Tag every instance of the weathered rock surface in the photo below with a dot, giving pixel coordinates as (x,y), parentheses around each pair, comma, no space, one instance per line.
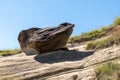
(57,65)
(38,40)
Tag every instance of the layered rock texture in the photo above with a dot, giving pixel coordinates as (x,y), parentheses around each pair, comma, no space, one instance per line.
(57,65)
(41,40)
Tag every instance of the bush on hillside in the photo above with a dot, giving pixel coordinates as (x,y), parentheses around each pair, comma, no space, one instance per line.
(117,21)
(109,71)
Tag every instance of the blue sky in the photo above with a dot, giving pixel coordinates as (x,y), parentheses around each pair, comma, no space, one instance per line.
(17,15)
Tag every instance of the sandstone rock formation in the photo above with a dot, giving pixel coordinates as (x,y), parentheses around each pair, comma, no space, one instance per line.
(38,40)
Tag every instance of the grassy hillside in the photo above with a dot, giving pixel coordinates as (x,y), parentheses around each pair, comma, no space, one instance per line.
(104,43)
(9,52)
(113,31)
(95,34)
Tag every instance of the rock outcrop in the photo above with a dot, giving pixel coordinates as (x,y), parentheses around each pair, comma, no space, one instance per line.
(38,40)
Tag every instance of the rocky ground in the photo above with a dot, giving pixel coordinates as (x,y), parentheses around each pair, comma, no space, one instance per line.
(57,65)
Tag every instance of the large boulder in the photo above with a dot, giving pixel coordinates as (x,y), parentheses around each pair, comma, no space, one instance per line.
(41,40)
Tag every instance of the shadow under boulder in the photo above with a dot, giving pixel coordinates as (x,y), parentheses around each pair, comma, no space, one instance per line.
(61,56)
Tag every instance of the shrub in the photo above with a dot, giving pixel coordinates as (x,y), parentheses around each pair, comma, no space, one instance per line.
(98,44)
(117,21)
(109,71)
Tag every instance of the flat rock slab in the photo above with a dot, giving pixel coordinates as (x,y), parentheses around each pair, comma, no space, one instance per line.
(67,65)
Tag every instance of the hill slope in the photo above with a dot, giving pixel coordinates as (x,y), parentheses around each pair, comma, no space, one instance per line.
(75,64)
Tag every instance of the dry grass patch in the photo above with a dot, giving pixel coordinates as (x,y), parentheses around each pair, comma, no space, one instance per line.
(108,71)
(104,43)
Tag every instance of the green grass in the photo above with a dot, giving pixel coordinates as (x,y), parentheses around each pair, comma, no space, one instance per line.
(92,35)
(95,34)
(117,21)
(73,38)
(94,45)
(9,52)
(104,43)
(108,71)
